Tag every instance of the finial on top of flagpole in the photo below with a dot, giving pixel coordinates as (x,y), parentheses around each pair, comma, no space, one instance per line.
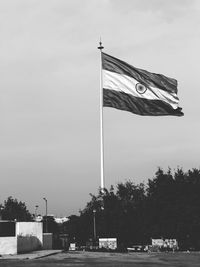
(100,45)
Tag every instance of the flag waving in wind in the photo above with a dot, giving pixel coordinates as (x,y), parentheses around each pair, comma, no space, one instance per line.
(138,91)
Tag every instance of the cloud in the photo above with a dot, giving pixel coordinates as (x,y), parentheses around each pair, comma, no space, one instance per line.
(166,10)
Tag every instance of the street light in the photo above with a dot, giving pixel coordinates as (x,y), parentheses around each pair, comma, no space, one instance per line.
(94,220)
(1,208)
(36,207)
(46,227)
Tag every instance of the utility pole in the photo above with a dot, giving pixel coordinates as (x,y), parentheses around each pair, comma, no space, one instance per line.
(94,221)
(46,228)
(36,207)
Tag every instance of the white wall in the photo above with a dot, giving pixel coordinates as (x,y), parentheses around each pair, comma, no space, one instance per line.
(29,236)
(29,229)
(28,243)
(8,245)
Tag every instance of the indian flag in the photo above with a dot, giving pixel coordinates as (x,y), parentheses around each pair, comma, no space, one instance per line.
(138,91)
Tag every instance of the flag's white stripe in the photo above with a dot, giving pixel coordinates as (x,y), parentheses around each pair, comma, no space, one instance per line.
(126,84)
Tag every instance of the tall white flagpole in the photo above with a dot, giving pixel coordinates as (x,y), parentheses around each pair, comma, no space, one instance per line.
(100,47)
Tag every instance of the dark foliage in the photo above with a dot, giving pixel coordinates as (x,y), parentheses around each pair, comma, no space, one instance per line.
(168,206)
(49,225)
(15,210)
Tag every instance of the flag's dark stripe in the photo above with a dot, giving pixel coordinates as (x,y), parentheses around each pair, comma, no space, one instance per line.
(147,78)
(140,106)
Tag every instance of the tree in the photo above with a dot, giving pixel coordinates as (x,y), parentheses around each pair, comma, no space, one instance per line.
(132,199)
(173,206)
(15,210)
(160,212)
(118,214)
(167,206)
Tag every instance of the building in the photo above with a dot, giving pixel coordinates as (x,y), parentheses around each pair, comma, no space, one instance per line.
(18,237)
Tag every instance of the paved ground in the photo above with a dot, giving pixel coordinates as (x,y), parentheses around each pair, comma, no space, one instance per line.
(98,259)
(32,255)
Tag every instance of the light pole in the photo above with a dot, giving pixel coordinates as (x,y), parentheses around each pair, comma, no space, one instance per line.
(94,222)
(36,207)
(1,208)
(46,228)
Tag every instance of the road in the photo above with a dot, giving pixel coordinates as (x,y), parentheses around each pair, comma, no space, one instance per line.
(99,259)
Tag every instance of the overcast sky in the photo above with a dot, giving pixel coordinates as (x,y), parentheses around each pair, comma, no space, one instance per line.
(49,96)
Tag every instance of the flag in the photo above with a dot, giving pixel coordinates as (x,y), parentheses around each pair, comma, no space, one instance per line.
(138,91)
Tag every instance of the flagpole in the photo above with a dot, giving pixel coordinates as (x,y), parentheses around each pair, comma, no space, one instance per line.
(100,47)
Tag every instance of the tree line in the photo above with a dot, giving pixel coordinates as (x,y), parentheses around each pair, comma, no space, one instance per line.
(167,206)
